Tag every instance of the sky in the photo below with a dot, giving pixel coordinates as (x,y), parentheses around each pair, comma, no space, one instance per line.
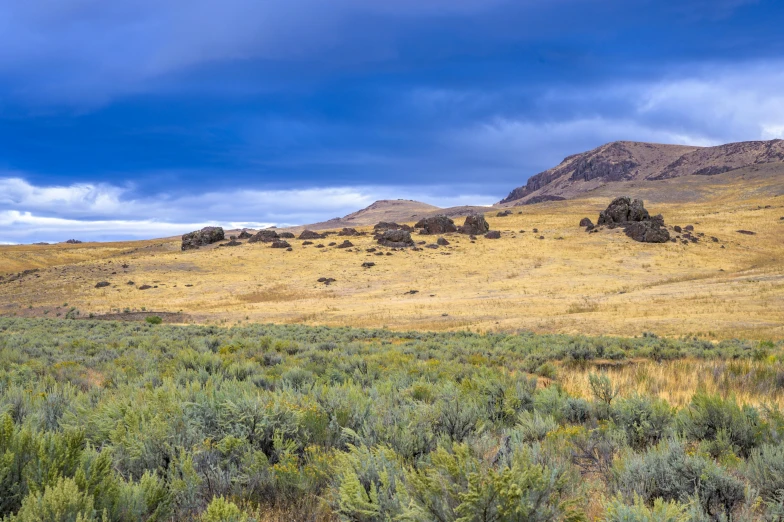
(140,118)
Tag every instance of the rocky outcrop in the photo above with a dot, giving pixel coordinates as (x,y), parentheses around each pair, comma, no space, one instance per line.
(73,242)
(396,238)
(264,236)
(199,238)
(309,234)
(623,210)
(436,225)
(635,220)
(475,225)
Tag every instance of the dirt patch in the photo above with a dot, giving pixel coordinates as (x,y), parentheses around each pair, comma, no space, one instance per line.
(276,293)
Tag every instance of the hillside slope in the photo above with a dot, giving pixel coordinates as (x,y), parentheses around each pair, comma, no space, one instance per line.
(625,161)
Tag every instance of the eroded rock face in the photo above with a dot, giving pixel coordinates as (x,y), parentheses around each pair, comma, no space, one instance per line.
(436,225)
(205,236)
(623,210)
(264,236)
(396,239)
(475,225)
(309,234)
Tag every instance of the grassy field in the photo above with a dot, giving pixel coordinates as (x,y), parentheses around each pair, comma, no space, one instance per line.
(122,421)
(568,282)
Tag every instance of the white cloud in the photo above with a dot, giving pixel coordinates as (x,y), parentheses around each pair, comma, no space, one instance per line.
(31,213)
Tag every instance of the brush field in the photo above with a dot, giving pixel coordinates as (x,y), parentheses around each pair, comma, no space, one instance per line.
(123,421)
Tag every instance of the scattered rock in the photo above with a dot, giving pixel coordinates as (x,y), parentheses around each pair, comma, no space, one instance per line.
(232,237)
(145,287)
(346,244)
(370,250)
(73,242)
(245,235)
(231,243)
(264,236)
(130,283)
(286,235)
(280,244)
(585,222)
(348,232)
(306,243)
(102,284)
(540,237)
(331,244)
(493,234)
(396,238)
(289,249)
(535,231)
(436,225)
(411,292)
(714,239)
(747,232)
(326,280)
(689,228)
(475,225)
(442,241)
(309,234)
(379,254)
(205,236)
(647,232)
(319,246)
(432,245)
(504,213)
(677,229)
(368,264)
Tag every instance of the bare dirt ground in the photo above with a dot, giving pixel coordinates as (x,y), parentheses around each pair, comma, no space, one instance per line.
(570,281)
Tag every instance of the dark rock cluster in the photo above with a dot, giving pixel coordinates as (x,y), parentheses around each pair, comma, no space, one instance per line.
(637,223)
(475,225)
(436,225)
(264,236)
(395,238)
(309,234)
(199,238)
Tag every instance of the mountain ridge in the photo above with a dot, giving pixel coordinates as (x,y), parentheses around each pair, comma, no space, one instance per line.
(639,161)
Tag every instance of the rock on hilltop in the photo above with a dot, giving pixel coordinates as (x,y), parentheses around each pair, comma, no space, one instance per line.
(634,161)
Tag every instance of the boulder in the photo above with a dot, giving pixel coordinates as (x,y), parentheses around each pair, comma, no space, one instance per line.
(73,242)
(264,236)
(396,238)
(286,235)
(102,284)
(279,243)
(623,210)
(493,234)
(348,232)
(677,229)
(368,264)
(504,213)
(586,222)
(388,225)
(231,243)
(309,234)
(442,241)
(647,232)
(436,225)
(205,236)
(346,244)
(475,225)
(245,235)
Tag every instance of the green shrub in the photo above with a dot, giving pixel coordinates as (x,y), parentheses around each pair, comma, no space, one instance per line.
(669,472)
(153,319)
(61,502)
(644,420)
(660,511)
(765,469)
(222,510)
(707,416)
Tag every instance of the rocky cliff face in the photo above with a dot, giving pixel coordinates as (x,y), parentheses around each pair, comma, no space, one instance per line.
(634,161)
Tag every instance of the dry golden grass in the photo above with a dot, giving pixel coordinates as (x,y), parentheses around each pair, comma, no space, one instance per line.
(570,282)
(749,382)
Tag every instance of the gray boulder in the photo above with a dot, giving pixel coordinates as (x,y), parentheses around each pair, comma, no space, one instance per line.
(396,239)
(436,225)
(475,225)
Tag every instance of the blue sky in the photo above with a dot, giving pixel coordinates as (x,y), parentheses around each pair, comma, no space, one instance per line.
(143,118)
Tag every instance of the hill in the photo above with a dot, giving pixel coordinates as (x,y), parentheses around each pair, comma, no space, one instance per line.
(628,161)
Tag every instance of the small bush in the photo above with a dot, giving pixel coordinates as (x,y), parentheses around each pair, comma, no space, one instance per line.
(153,319)
(708,416)
(644,420)
(660,511)
(222,510)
